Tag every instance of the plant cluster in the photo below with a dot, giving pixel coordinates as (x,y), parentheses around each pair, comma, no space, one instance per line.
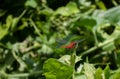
(59,39)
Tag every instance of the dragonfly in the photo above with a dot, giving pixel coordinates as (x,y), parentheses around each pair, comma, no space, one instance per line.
(72,45)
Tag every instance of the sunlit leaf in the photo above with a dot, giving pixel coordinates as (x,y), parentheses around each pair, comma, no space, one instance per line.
(115,76)
(46,49)
(70,8)
(4,28)
(89,70)
(81,76)
(31,3)
(98,73)
(109,46)
(53,69)
(65,59)
(107,72)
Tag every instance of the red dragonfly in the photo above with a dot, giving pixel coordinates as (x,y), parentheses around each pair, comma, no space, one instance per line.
(72,44)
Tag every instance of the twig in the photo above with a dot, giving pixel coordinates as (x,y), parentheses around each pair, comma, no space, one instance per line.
(95,47)
(114,2)
(35,27)
(24,74)
(72,60)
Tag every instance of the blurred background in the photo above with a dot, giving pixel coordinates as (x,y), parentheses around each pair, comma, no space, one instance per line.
(32,31)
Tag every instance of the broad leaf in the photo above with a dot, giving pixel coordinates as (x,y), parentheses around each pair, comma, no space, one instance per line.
(31,3)
(89,71)
(66,59)
(81,76)
(115,76)
(53,69)
(113,15)
(69,9)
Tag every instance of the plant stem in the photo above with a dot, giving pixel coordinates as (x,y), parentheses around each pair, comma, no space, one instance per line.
(72,60)
(35,27)
(73,56)
(24,74)
(95,47)
(114,2)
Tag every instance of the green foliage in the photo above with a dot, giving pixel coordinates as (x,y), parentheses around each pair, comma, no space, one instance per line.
(89,71)
(31,3)
(113,19)
(53,69)
(98,73)
(69,9)
(33,34)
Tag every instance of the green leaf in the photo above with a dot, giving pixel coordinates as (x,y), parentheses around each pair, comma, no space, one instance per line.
(69,9)
(81,76)
(107,72)
(43,26)
(31,3)
(116,76)
(109,46)
(89,22)
(65,59)
(3,31)
(53,69)
(89,71)
(16,20)
(24,24)
(98,73)
(101,5)
(46,49)
(2,12)
(50,76)
(5,27)
(106,19)
(72,7)
(47,12)
(112,15)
